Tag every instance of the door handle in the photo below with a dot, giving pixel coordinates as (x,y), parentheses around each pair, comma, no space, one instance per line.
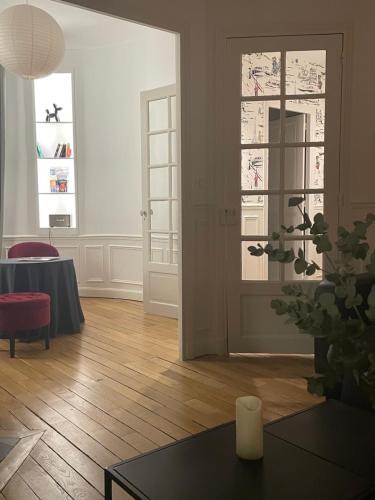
(143,213)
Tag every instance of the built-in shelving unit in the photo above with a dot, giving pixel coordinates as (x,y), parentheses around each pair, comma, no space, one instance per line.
(55,151)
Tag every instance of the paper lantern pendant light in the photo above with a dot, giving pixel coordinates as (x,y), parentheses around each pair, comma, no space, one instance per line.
(31,42)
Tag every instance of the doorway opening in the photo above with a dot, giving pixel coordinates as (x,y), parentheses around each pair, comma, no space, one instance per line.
(110,64)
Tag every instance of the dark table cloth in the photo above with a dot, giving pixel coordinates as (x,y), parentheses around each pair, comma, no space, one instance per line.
(55,277)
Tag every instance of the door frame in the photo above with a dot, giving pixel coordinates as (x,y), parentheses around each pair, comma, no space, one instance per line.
(154,307)
(235,289)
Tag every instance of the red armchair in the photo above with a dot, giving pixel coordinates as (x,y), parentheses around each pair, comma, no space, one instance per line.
(32,249)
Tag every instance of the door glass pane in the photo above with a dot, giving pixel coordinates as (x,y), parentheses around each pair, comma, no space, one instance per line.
(261,73)
(174,215)
(258,268)
(313,204)
(260,169)
(175,249)
(174,182)
(304,168)
(305,120)
(159,244)
(173,147)
(158,115)
(159,182)
(306,72)
(159,215)
(173,112)
(260,215)
(260,122)
(159,149)
(311,256)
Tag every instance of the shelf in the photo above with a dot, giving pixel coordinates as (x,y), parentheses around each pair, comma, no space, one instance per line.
(56,158)
(54,123)
(57,192)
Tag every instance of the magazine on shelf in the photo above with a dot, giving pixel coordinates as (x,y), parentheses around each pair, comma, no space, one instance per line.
(58,179)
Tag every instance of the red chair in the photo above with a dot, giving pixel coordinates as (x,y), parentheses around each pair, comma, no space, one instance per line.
(21,312)
(32,249)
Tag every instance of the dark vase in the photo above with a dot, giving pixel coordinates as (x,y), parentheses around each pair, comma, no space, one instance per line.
(353,395)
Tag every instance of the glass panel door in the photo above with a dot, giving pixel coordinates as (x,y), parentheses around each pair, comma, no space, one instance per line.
(282,139)
(160,201)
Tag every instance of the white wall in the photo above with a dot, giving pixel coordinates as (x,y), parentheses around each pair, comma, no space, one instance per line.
(108,81)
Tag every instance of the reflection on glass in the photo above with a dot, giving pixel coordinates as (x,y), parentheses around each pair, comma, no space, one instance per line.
(313,204)
(159,182)
(260,215)
(173,147)
(260,169)
(173,112)
(174,182)
(306,72)
(258,268)
(311,256)
(261,73)
(159,149)
(159,244)
(158,115)
(304,168)
(174,215)
(260,122)
(159,215)
(305,120)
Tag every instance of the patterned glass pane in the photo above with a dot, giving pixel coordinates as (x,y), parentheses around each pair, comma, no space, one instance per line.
(305,120)
(310,254)
(306,72)
(313,204)
(261,73)
(260,215)
(304,168)
(258,268)
(260,169)
(260,122)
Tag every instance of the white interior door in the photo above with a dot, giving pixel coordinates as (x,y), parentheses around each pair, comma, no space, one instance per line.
(282,138)
(160,201)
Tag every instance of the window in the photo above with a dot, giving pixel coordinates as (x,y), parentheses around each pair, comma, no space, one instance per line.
(55,151)
(283,110)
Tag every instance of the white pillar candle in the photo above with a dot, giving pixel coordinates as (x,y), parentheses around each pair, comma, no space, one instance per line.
(249,428)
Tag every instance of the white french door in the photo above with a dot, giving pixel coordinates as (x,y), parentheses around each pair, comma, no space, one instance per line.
(160,201)
(282,139)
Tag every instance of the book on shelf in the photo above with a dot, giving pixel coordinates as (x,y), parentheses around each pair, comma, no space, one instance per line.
(58,179)
(63,151)
(39,151)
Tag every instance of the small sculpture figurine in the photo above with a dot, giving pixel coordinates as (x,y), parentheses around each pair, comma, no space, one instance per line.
(53,115)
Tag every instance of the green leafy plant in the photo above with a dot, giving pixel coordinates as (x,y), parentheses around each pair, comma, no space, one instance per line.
(343,316)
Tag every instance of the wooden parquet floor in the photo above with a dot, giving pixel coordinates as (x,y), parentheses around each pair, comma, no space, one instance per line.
(117,390)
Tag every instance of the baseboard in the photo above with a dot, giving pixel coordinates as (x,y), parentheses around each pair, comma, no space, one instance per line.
(111,293)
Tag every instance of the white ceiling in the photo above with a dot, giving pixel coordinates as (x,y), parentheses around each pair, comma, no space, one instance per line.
(83,28)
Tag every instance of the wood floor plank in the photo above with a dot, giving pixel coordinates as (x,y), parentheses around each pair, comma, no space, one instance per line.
(41,483)
(119,389)
(69,480)
(17,489)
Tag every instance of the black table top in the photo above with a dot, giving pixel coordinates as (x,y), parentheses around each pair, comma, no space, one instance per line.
(337,432)
(206,467)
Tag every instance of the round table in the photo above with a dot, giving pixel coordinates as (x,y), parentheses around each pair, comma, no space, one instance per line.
(56,277)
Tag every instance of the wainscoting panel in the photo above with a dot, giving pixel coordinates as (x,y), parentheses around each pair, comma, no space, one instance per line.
(93,256)
(107,265)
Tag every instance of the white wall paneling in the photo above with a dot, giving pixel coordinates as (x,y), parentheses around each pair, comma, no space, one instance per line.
(93,256)
(106,265)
